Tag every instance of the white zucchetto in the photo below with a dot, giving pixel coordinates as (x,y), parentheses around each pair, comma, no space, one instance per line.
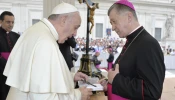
(64,8)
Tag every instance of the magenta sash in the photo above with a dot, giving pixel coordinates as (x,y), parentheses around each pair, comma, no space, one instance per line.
(5,55)
(110,65)
(112,96)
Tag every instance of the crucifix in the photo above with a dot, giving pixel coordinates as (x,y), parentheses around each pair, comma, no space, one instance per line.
(91,9)
(87,66)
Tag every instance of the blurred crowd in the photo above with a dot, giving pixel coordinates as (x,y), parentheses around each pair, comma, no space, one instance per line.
(116,44)
(100,45)
(168,50)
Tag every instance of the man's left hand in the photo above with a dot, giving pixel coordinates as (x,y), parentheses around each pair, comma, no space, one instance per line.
(112,73)
(79,76)
(104,83)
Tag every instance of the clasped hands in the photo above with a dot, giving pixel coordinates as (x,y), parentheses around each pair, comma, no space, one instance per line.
(111,74)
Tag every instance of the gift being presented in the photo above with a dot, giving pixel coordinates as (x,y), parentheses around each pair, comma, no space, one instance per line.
(92,83)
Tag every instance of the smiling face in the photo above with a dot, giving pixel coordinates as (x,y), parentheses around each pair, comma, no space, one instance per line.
(8,23)
(119,22)
(70,27)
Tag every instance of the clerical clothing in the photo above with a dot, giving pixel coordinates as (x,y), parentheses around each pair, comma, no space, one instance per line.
(110,61)
(7,41)
(95,60)
(36,69)
(4,45)
(141,67)
(110,58)
(65,50)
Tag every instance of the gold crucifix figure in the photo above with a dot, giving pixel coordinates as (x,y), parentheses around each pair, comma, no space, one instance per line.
(92,12)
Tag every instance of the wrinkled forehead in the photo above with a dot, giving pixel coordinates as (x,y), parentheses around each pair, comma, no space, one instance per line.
(113,14)
(77,16)
(76,19)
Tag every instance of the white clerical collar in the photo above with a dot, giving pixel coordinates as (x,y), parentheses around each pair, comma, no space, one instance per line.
(135,29)
(7,32)
(51,27)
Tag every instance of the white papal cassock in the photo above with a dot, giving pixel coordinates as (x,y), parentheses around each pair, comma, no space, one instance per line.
(36,69)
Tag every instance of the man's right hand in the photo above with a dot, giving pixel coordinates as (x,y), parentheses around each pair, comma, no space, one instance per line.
(85,93)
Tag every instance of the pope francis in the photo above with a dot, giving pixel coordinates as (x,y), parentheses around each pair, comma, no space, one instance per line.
(36,69)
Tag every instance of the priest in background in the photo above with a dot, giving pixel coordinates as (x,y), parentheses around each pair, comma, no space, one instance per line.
(95,59)
(36,69)
(139,70)
(65,49)
(8,39)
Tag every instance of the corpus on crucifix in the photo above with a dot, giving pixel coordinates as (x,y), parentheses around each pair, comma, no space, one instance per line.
(92,7)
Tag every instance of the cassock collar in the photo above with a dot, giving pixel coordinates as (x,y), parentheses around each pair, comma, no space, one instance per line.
(133,34)
(3,30)
(51,27)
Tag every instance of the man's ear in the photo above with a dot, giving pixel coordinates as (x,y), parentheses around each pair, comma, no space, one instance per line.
(130,17)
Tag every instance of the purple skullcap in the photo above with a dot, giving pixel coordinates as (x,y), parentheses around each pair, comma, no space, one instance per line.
(97,51)
(110,49)
(126,3)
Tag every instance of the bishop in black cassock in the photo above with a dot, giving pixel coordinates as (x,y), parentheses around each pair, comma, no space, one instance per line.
(140,68)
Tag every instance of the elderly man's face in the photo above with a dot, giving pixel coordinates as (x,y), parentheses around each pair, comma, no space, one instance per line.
(71,27)
(8,23)
(74,25)
(119,23)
